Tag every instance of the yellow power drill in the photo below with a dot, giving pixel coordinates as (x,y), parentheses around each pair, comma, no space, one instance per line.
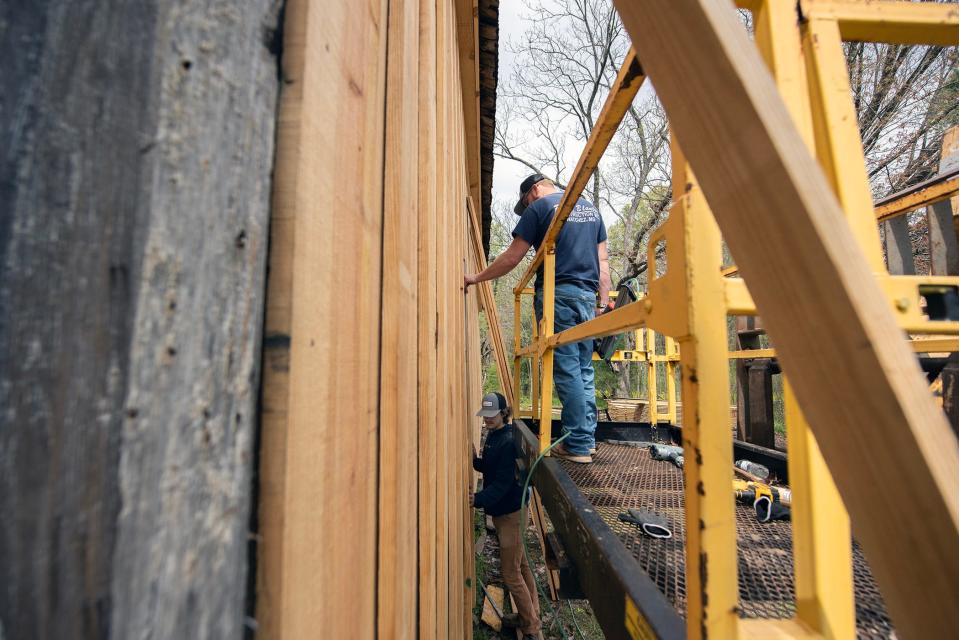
(770,503)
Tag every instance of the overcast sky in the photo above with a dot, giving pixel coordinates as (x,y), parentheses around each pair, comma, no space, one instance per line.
(507,174)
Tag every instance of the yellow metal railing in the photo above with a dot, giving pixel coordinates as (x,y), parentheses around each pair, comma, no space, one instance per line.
(645,352)
(689,302)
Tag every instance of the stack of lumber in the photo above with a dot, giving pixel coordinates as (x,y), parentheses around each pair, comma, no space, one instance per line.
(637,410)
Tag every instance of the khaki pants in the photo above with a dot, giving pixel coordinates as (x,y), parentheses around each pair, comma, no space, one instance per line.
(516,573)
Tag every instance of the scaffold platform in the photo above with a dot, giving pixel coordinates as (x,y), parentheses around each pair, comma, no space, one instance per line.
(624,476)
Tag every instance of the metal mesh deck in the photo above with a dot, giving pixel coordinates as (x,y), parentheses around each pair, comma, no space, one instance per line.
(623,477)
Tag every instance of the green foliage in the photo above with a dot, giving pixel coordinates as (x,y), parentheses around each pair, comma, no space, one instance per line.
(779,407)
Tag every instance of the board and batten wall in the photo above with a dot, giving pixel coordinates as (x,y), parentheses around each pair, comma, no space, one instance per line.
(371,349)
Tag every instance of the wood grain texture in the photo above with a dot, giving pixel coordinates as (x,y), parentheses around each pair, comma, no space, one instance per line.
(138,146)
(138,166)
(275,389)
(427,321)
(187,457)
(330,524)
(858,384)
(484,291)
(444,94)
(467,44)
(397,570)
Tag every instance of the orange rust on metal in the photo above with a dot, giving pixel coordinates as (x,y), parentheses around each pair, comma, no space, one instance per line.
(923,194)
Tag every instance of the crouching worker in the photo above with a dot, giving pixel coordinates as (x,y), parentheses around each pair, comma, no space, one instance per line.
(501,498)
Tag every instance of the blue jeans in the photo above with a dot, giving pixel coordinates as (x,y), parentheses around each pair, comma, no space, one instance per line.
(573,366)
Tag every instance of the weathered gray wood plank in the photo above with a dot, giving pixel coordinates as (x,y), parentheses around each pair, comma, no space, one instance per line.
(899,258)
(136,146)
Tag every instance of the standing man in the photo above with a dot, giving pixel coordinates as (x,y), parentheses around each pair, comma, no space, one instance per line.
(502,499)
(582,270)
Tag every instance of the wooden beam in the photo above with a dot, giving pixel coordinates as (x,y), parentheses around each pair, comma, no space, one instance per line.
(627,85)
(760,397)
(427,421)
(950,391)
(397,570)
(274,412)
(943,249)
(750,159)
(488,302)
(742,399)
(445,93)
(330,523)
(467,43)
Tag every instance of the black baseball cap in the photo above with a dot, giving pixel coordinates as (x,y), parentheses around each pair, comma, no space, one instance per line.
(493,403)
(524,188)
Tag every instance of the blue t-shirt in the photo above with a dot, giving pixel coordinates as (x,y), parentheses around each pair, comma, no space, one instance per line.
(577,260)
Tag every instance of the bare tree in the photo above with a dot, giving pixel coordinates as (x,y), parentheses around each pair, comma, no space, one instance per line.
(566,65)
(637,185)
(905,98)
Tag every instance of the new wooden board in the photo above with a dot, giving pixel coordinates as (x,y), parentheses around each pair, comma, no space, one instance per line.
(427,320)
(489,615)
(397,570)
(330,521)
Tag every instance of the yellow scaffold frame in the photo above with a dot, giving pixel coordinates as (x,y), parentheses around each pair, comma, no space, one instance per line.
(691,47)
(644,351)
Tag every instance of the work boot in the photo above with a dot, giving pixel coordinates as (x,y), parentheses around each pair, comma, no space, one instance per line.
(561,452)
(511,620)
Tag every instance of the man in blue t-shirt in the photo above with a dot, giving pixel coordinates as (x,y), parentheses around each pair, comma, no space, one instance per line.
(582,270)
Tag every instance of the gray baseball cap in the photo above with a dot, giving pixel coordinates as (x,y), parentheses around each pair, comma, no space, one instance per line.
(493,403)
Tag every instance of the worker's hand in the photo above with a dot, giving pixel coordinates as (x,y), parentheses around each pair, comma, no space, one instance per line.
(600,310)
(467,281)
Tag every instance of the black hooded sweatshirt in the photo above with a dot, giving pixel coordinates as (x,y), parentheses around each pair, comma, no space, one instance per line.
(502,492)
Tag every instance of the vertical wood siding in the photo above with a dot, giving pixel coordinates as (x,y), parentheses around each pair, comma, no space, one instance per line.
(367,434)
